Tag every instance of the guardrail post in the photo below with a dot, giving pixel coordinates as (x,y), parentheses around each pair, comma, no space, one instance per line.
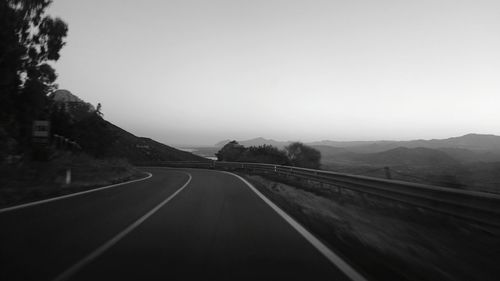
(387,173)
(68,176)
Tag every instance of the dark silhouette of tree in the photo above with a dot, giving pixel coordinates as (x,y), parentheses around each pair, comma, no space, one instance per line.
(98,109)
(232,151)
(301,155)
(265,154)
(61,120)
(29,39)
(296,154)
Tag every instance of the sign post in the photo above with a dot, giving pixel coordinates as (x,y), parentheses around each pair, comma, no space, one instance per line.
(41,131)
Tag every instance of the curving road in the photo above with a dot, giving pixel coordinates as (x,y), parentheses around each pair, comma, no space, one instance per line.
(176,225)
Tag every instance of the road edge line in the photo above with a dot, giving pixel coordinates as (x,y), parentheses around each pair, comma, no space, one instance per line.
(34,203)
(101,249)
(315,242)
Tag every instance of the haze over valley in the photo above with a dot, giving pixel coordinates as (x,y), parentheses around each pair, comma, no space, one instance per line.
(471,161)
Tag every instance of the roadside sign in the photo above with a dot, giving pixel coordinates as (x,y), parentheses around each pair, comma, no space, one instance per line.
(41,131)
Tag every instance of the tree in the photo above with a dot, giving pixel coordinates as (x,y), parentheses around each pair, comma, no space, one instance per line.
(232,151)
(265,154)
(98,110)
(301,155)
(29,41)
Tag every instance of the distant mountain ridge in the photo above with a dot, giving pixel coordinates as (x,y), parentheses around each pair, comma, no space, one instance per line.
(401,156)
(467,148)
(479,142)
(470,141)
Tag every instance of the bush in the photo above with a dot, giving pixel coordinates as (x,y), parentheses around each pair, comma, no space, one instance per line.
(232,151)
(301,155)
(296,154)
(265,154)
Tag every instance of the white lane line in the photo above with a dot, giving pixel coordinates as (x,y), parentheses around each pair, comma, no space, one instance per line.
(70,195)
(96,253)
(322,248)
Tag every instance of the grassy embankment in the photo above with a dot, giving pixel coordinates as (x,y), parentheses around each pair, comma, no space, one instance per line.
(385,240)
(31,181)
(480,176)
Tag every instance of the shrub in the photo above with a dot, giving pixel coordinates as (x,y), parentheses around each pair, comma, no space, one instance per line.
(301,155)
(296,154)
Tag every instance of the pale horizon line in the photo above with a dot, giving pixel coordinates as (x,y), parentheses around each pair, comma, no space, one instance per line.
(326,140)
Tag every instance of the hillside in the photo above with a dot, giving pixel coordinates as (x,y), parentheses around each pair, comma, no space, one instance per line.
(400,156)
(403,156)
(75,119)
(140,149)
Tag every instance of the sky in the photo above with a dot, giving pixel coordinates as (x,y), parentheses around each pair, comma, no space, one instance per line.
(197,72)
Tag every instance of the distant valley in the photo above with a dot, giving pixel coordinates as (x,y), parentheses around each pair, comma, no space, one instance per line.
(467,148)
(470,161)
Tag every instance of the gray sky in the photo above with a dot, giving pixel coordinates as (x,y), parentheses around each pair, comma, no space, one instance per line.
(196,72)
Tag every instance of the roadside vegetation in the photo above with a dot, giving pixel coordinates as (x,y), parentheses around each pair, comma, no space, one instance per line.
(386,240)
(35,180)
(29,42)
(75,134)
(295,154)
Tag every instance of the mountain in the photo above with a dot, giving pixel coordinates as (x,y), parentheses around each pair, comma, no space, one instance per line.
(476,142)
(471,156)
(381,143)
(401,156)
(329,153)
(467,148)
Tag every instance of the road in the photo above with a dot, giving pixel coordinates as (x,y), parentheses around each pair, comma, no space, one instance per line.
(175,225)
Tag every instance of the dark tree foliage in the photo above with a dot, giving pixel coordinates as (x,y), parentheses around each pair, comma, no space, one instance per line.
(29,40)
(301,155)
(98,110)
(61,120)
(232,151)
(296,154)
(264,154)
(79,122)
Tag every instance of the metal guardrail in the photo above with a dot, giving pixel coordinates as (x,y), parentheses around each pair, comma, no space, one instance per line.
(474,206)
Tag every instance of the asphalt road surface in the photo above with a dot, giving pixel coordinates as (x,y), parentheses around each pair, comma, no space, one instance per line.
(176,225)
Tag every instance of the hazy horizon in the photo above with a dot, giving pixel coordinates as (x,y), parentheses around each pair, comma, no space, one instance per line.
(180,145)
(198,72)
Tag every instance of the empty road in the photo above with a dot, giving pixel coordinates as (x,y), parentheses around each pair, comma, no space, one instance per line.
(176,225)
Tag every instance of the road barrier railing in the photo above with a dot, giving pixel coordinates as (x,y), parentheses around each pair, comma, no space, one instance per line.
(480,207)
